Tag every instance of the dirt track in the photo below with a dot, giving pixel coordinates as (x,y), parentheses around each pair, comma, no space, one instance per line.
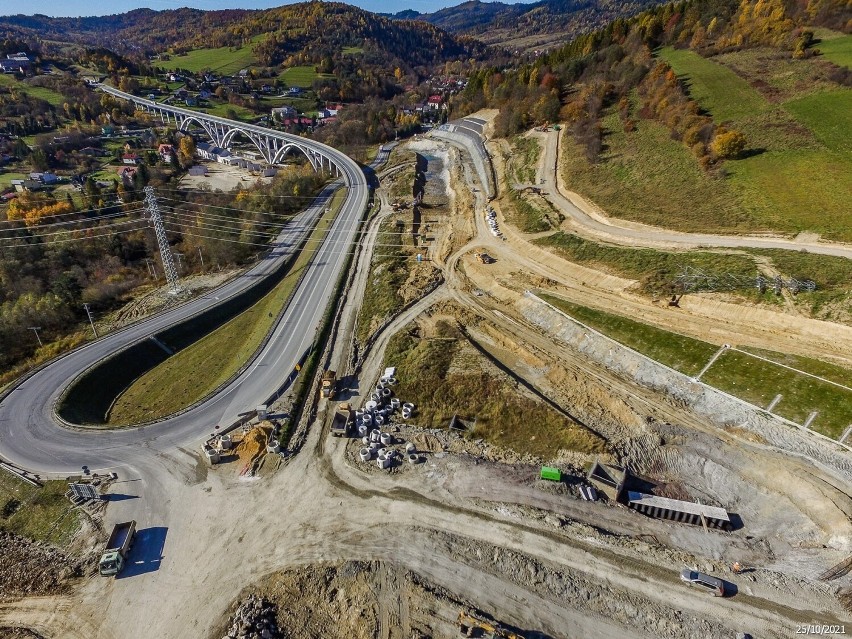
(458,532)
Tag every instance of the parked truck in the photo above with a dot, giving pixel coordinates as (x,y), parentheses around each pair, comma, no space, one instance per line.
(117,547)
(329,381)
(341,421)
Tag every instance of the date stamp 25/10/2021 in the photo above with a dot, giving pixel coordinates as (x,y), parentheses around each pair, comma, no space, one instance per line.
(820,629)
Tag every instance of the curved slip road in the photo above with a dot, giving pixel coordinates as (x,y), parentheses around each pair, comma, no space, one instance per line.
(30,436)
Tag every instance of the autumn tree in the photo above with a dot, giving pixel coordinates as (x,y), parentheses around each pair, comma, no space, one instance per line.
(728,144)
(186,151)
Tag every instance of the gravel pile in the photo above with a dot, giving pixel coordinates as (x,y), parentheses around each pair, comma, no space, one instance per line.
(254,619)
(33,568)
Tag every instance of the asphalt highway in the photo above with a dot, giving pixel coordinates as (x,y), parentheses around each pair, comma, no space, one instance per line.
(31,436)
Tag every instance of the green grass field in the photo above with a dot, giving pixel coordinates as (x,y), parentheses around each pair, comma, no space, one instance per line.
(224,60)
(794,178)
(196,371)
(735,372)
(831,372)
(796,191)
(828,115)
(648,177)
(43,514)
(679,352)
(715,87)
(303,76)
(654,269)
(6,178)
(835,47)
(352,50)
(758,382)
(227,110)
(43,93)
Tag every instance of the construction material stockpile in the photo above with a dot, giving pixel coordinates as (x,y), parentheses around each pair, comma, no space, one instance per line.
(376,417)
(33,568)
(253,444)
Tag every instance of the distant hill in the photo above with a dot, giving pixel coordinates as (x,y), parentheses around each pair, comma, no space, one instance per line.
(527,26)
(310,31)
(140,28)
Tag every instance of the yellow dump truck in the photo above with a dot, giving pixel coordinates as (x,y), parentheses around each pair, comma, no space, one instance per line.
(329,381)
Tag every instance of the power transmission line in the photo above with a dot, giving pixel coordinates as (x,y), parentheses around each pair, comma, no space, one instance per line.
(162,240)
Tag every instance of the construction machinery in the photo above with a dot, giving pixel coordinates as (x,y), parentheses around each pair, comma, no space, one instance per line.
(484,258)
(117,547)
(471,626)
(341,421)
(329,381)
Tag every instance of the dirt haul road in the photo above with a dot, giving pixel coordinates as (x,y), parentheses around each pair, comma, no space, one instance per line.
(223,533)
(590,221)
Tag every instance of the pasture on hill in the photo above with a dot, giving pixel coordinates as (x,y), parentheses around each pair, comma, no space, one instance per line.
(793,176)
(224,60)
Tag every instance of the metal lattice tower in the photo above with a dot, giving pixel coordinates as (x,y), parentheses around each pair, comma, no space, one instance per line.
(692,279)
(162,240)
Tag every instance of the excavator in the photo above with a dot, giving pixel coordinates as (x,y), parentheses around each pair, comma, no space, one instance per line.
(471,626)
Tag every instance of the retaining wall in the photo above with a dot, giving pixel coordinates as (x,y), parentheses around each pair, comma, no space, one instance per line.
(479,155)
(710,403)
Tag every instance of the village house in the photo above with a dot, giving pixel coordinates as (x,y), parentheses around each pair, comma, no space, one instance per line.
(127,173)
(16,63)
(166,152)
(284,113)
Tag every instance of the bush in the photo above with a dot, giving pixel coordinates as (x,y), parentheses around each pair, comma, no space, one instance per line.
(729,144)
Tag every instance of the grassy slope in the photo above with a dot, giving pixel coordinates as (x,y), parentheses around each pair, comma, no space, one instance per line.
(224,60)
(44,513)
(758,382)
(388,271)
(443,377)
(716,88)
(654,269)
(196,371)
(302,76)
(48,95)
(795,179)
(737,373)
(835,47)
(679,352)
(828,115)
(648,177)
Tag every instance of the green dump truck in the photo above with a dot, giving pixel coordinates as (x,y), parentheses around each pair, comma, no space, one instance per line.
(117,547)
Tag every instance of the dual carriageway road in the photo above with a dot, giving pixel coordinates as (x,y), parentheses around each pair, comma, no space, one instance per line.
(31,436)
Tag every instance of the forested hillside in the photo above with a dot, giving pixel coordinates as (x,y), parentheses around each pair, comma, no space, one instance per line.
(716,115)
(311,31)
(528,26)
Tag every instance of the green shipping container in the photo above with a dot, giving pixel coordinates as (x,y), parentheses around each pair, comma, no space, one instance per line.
(553,474)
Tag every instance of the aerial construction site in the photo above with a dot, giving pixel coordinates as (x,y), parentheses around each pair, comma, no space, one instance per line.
(492,439)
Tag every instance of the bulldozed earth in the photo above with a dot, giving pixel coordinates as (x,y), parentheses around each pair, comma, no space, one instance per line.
(328,545)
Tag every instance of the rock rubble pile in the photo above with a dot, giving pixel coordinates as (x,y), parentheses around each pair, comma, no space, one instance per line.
(254,619)
(33,568)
